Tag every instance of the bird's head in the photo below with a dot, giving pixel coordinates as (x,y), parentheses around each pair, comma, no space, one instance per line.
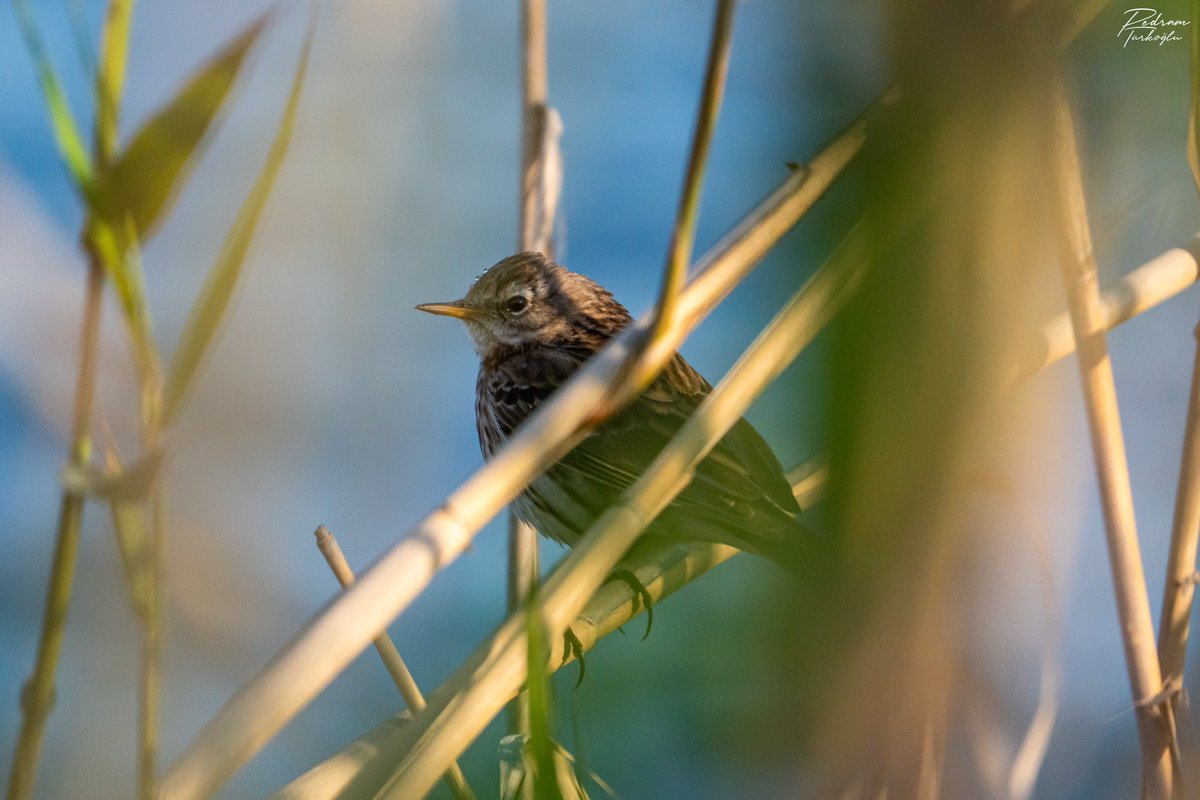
(526,300)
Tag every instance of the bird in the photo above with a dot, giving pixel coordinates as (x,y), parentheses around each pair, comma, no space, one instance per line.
(533,323)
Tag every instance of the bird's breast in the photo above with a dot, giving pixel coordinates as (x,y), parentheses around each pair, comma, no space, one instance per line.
(509,389)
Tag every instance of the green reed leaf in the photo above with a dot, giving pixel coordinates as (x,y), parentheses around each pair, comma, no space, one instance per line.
(66,132)
(209,308)
(147,175)
(110,76)
(114,245)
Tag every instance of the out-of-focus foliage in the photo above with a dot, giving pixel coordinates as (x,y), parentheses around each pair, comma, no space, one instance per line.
(209,308)
(921,419)
(152,167)
(124,198)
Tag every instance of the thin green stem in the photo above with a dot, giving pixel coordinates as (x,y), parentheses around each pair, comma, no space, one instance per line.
(38,695)
(684,236)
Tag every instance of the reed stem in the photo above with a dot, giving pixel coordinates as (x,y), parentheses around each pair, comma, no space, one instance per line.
(390,655)
(1080,280)
(38,694)
(683,237)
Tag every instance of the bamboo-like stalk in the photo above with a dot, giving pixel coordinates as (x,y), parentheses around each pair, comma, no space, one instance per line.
(479,689)
(1129,583)
(1181,564)
(390,655)
(683,237)
(533,229)
(1140,289)
(1179,587)
(38,694)
(328,642)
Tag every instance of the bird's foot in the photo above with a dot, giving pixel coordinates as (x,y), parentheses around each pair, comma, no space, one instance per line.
(639,593)
(573,647)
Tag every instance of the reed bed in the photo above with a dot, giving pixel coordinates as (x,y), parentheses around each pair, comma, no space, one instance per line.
(933,344)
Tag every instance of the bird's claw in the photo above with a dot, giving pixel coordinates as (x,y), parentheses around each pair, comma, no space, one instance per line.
(639,593)
(573,647)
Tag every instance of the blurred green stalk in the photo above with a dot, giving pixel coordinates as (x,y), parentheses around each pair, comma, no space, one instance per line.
(38,694)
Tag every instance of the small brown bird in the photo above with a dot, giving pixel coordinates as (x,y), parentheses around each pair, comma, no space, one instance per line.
(533,324)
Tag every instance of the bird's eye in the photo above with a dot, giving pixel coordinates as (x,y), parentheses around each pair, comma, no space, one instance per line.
(516,304)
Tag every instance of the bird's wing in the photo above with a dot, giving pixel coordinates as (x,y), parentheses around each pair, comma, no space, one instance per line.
(739,489)
(741,452)
(741,470)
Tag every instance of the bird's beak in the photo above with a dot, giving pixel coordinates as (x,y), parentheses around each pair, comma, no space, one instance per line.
(458,308)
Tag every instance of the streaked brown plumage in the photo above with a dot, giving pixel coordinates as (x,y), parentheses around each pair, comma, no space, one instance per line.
(534,323)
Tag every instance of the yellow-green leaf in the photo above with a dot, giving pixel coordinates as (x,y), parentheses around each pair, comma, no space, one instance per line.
(147,174)
(209,308)
(66,133)
(113,245)
(110,77)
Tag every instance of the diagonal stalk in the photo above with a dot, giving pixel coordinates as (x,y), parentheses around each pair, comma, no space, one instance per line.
(1095,368)
(390,656)
(679,255)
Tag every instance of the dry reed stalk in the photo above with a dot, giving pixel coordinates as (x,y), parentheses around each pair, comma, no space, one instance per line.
(1181,565)
(390,655)
(498,667)
(328,642)
(1138,290)
(535,225)
(1129,584)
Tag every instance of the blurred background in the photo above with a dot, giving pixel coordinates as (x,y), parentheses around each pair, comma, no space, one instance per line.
(328,399)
